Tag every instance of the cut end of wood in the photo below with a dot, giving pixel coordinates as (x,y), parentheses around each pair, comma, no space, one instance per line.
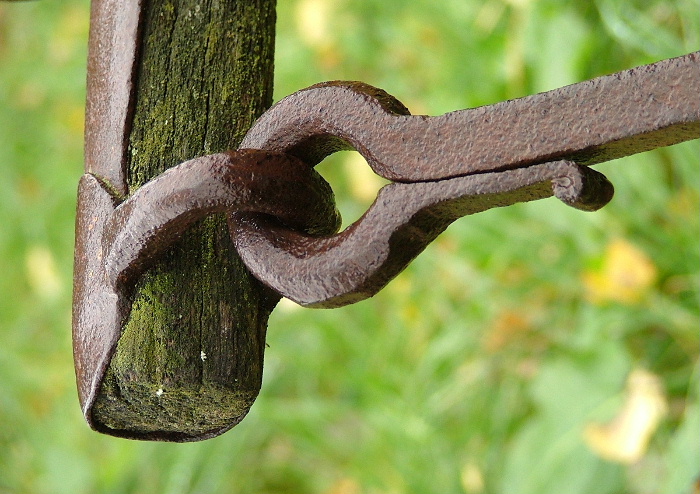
(151,411)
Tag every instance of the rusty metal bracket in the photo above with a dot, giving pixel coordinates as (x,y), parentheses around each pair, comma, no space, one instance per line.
(118,236)
(116,240)
(453,165)
(281,212)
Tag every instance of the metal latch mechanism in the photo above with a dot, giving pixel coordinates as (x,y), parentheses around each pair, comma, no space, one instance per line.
(453,165)
(282,216)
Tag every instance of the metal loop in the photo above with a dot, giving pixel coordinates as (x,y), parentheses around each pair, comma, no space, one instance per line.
(453,165)
(115,242)
(590,122)
(357,263)
(255,181)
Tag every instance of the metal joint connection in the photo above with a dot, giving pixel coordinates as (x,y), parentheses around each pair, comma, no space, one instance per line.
(117,240)
(449,166)
(282,215)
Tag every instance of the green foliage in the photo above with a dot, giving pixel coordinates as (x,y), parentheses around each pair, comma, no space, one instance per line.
(501,361)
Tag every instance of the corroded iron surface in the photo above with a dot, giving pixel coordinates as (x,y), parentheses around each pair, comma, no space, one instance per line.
(282,215)
(453,165)
(112,55)
(357,263)
(116,241)
(590,122)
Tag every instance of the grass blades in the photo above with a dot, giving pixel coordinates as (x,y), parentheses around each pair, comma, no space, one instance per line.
(531,349)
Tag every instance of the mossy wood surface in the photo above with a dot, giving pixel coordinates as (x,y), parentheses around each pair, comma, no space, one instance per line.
(189,362)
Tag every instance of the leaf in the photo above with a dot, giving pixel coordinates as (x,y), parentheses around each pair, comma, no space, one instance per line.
(626,437)
(363,182)
(548,454)
(312,19)
(683,453)
(625,276)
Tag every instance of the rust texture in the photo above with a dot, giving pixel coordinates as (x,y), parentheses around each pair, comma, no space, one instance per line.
(168,81)
(590,122)
(281,213)
(112,56)
(453,165)
(404,219)
(120,239)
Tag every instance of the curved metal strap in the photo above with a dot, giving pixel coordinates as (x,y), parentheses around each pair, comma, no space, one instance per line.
(453,165)
(115,241)
(590,122)
(404,219)
(262,182)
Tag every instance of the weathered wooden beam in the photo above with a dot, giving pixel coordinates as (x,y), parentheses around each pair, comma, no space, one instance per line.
(189,362)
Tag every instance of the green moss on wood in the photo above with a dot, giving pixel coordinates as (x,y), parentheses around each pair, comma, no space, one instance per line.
(190,357)
(185,411)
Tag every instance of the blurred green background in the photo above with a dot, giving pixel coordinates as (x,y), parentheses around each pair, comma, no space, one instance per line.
(533,349)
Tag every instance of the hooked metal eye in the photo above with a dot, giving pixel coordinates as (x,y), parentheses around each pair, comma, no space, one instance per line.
(117,241)
(282,217)
(452,165)
(358,262)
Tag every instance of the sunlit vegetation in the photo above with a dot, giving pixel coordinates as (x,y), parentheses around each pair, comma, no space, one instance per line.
(534,349)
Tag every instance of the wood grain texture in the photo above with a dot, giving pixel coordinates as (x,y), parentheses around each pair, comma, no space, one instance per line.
(189,362)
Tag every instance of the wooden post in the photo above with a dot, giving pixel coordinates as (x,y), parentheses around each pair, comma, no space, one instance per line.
(189,362)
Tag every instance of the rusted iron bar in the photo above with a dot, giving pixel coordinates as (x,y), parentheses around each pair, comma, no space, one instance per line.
(110,88)
(452,165)
(590,122)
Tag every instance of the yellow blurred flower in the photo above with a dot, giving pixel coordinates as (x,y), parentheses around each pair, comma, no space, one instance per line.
(312,21)
(42,274)
(472,478)
(345,485)
(626,437)
(314,25)
(625,275)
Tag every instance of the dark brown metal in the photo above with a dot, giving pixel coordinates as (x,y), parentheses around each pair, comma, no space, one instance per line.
(272,184)
(468,161)
(404,219)
(112,56)
(281,212)
(118,240)
(590,122)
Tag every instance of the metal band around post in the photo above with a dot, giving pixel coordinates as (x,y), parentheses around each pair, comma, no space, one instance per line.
(119,240)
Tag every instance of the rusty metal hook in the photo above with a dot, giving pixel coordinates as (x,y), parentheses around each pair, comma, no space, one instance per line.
(590,122)
(117,240)
(443,168)
(355,264)
(453,165)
